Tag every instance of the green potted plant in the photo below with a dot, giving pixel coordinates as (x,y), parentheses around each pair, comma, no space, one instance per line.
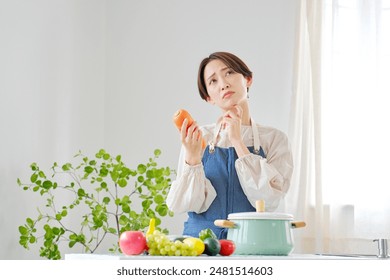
(105,191)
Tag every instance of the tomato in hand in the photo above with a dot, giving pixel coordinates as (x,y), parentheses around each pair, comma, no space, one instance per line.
(132,242)
(227,247)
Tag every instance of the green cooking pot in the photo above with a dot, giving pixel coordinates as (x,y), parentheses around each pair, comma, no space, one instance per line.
(261,233)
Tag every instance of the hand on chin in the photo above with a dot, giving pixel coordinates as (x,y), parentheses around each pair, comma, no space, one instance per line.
(234,109)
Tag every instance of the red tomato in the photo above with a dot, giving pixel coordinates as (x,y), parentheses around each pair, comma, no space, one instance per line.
(227,247)
(132,242)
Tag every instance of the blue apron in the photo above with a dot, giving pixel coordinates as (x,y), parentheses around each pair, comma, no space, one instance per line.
(219,167)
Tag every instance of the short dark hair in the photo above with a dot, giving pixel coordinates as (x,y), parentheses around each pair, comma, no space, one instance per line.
(230,60)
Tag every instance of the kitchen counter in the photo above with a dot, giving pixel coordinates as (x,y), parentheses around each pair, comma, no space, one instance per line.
(205,257)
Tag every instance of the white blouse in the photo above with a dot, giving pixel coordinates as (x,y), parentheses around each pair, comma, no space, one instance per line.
(261,178)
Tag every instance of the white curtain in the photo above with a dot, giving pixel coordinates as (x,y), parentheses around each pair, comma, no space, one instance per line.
(338,126)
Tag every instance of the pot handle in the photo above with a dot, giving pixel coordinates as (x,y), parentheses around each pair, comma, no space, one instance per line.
(224,223)
(298,224)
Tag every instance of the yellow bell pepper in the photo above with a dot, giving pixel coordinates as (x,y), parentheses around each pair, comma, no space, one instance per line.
(152,227)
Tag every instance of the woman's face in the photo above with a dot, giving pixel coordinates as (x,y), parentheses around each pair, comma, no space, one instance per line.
(226,88)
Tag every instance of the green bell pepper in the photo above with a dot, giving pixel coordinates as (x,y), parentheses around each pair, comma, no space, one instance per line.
(207,233)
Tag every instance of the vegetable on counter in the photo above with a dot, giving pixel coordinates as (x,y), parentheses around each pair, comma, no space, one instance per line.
(156,243)
(227,247)
(212,246)
(206,233)
(152,227)
(178,237)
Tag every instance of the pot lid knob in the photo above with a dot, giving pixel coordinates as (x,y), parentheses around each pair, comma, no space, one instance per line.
(260,205)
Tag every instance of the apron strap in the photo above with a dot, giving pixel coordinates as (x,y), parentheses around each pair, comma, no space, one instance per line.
(256,137)
(217,129)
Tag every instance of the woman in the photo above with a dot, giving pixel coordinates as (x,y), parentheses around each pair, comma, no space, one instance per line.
(243,161)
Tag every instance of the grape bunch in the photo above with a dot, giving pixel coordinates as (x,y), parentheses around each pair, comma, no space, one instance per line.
(159,244)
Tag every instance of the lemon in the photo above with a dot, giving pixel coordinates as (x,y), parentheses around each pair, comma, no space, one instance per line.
(196,244)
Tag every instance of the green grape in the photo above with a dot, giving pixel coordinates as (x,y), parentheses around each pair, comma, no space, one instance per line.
(160,245)
(193,253)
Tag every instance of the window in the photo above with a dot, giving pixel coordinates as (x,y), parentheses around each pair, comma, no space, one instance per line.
(355,104)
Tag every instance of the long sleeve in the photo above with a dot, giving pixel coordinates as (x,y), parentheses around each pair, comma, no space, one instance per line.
(267,178)
(191,191)
(260,178)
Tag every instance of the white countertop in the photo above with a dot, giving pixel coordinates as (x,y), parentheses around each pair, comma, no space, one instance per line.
(205,257)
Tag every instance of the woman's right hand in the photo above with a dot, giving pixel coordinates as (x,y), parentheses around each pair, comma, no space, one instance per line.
(191,139)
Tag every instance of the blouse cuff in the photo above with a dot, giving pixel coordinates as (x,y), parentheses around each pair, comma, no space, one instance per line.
(191,168)
(191,191)
(259,180)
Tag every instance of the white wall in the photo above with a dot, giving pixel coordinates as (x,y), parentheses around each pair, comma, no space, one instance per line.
(52,86)
(90,74)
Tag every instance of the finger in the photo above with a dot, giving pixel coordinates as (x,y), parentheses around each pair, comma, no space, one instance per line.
(238,110)
(183,130)
(231,114)
(228,114)
(231,120)
(191,129)
(194,137)
(227,121)
(199,135)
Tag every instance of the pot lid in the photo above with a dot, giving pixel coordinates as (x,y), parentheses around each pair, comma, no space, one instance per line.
(260,216)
